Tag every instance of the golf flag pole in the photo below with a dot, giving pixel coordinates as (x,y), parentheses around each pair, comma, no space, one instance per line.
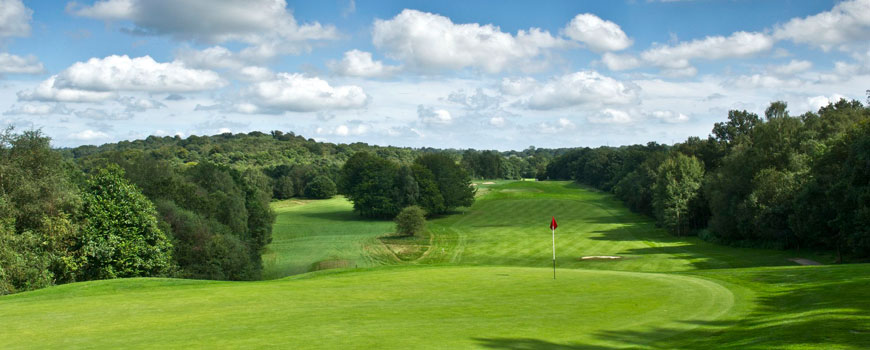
(553,227)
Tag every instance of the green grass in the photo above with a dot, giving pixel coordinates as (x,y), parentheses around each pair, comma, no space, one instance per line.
(312,234)
(485,282)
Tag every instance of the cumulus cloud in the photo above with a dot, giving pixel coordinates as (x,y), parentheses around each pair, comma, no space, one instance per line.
(764,81)
(47,91)
(669,117)
(297,93)
(738,44)
(611,116)
(560,125)
(122,73)
(88,135)
(675,60)
(816,102)
(431,116)
(620,62)
(14,19)
(136,104)
(237,65)
(354,128)
(37,109)
(791,68)
(582,88)
(518,86)
(598,34)
(102,115)
(12,64)
(432,42)
(99,79)
(356,63)
(266,25)
(846,22)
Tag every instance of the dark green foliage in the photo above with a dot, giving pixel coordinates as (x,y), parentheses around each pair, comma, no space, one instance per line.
(320,187)
(452,181)
(284,188)
(429,196)
(120,237)
(368,182)
(677,184)
(380,188)
(778,181)
(410,221)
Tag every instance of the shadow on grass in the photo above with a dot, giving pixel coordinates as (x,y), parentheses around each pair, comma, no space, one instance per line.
(339,215)
(823,307)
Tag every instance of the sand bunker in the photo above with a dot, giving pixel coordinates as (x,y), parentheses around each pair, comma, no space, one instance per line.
(802,261)
(600,257)
(489,183)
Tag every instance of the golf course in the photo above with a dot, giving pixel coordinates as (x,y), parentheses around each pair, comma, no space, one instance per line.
(480,278)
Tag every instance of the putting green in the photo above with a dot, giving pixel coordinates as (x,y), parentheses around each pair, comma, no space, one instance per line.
(422,307)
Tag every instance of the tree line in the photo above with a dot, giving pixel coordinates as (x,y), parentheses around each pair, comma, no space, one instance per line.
(777,181)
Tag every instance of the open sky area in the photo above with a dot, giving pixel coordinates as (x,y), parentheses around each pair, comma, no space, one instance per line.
(448,74)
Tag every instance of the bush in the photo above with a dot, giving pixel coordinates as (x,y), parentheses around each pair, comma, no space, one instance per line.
(321,188)
(411,221)
(120,236)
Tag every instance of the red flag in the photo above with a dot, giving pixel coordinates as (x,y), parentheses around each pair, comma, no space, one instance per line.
(553,224)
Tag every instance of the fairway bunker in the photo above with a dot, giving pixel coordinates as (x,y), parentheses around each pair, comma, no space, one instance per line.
(601,257)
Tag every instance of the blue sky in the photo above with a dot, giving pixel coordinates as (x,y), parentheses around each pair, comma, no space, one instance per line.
(465,74)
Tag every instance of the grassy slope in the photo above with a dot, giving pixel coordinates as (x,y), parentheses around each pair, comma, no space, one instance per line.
(705,300)
(308,234)
(509,226)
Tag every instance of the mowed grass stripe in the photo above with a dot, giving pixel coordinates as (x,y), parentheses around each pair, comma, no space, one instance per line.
(509,226)
(447,307)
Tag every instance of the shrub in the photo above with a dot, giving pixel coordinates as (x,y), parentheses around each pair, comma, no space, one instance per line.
(410,221)
(321,187)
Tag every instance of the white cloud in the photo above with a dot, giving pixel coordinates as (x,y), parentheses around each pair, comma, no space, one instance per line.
(122,73)
(762,81)
(136,104)
(37,109)
(48,91)
(432,42)
(582,88)
(497,121)
(237,65)
(518,86)
(101,114)
(358,63)
(89,135)
(738,44)
(12,64)
(670,116)
(559,126)
(675,60)
(14,19)
(432,116)
(266,25)
(620,62)
(598,34)
(791,68)
(611,116)
(846,22)
(816,102)
(296,93)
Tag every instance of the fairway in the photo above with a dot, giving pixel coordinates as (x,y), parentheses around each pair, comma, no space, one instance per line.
(311,235)
(485,283)
(509,226)
(431,308)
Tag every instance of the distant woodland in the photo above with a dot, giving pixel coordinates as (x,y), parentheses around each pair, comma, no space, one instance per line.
(198,207)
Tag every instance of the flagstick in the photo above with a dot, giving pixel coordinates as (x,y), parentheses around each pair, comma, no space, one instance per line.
(554,253)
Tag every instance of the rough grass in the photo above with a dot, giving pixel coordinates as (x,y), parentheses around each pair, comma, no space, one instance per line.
(682,293)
